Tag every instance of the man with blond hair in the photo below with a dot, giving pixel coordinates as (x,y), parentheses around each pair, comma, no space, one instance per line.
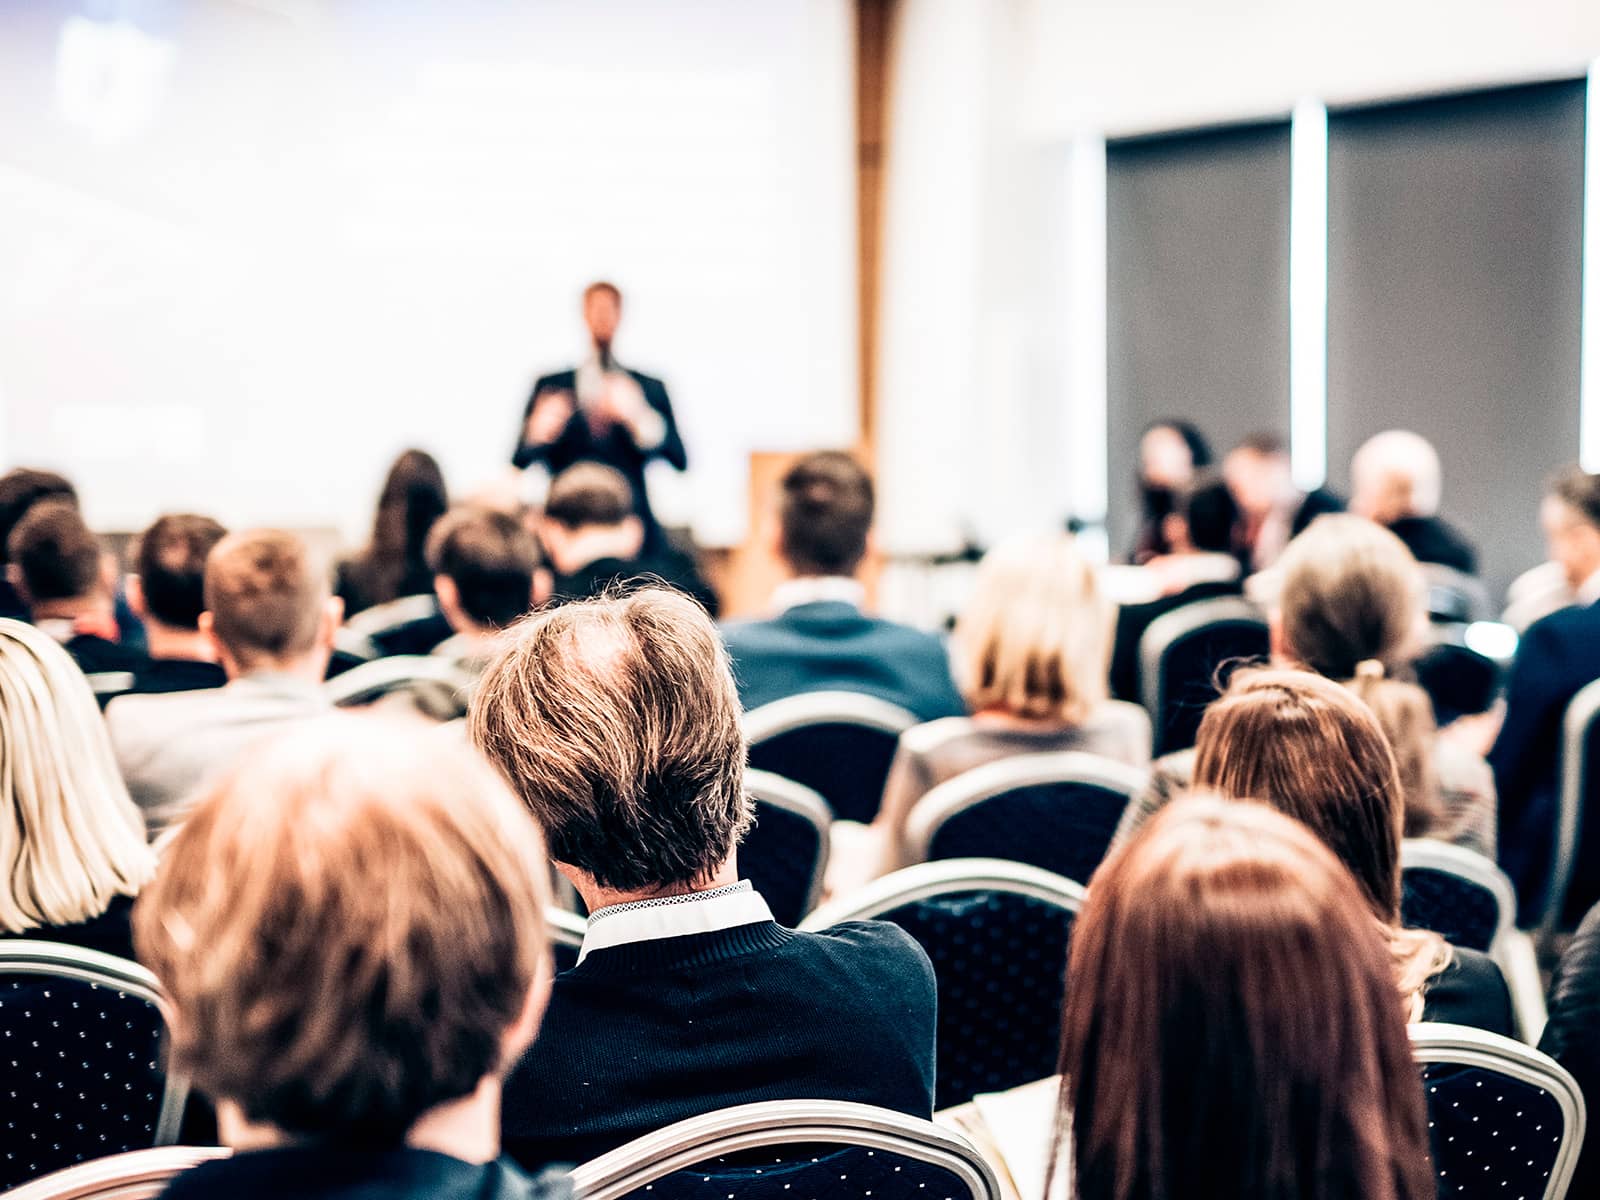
(618,724)
(349,931)
(1396,480)
(271,618)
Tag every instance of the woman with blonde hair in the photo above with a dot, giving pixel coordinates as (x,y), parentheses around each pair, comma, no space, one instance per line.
(71,840)
(1230,1027)
(1032,655)
(1307,747)
(1349,606)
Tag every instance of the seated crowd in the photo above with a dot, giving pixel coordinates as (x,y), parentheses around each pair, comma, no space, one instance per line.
(349,913)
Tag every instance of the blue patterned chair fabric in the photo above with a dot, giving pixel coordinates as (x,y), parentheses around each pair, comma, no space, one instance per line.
(1491,1135)
(808,1173)
(82,1075)
(1193,673)
(1062,827)
(1462,912)
(846,764)
(779,857)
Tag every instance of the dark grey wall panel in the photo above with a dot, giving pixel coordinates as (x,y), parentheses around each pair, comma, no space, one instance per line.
(1454,277)
(1197,267)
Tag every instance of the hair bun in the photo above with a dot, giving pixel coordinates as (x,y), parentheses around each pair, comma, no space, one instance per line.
(1369,668)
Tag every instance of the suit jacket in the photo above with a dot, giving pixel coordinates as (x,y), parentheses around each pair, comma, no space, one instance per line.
(168,746)
(1435,540)
(340,1172)
(577,443)
(1134,619)
(1557,657)
(833,646)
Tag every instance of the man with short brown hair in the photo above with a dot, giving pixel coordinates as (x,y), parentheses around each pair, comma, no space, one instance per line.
(167,593)
(486,575)
(618,724)
(271,616)
(349,930)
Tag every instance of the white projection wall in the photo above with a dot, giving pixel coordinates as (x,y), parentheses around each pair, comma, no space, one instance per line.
(249,251)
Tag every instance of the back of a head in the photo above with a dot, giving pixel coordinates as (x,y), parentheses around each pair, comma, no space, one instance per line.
(587,495)
(56,555)
(1350,591)
(266,593)
(1035,638)
(413,498)
(491,560)
(825,514)
(347,927)
(1579,491)
(617,722)
(69,834)
(1210,512)
(171,561)
(1309,748)
(1395,474)
(20,489)
(1231,1027)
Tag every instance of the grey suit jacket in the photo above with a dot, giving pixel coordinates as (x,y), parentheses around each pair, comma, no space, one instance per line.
(169,745)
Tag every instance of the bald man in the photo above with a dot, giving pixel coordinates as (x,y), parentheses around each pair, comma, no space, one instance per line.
(1395,480)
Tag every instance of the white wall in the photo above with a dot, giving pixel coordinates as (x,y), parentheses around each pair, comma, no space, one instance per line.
(250,251)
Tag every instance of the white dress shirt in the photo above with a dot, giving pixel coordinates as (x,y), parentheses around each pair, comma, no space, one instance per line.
(818,589)
(674,916)
(592,382)
(1589,589)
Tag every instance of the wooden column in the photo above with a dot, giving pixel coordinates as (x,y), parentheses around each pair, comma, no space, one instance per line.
(874,34)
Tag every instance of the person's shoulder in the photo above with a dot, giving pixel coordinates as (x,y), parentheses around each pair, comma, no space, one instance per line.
(877,950)
(904,637)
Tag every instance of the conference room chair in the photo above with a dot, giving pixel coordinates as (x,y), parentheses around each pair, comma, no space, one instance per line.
(839,744)
(1468,900)
(997,935)
(565,931)
(132,1175)
(409,625)
(792,1150)
(1453,596)
(436,686)
(108,685)
(1056,811)
(1459,680)
(81,1073)
(785,854)
(1575,859)
(1504,1120)
(1184,657)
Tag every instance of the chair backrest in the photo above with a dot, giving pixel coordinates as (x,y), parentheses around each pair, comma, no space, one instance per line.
(997,934)
(565,931)
(785,854)
(793,1150)
(1181,655)
(134,1175)
(1504,1120)
(1459,680)
(439,685)
(80,1059)
(839,744)
(1574,879)
(108,685)
(1457,893)
(1452,595)
(1057,812)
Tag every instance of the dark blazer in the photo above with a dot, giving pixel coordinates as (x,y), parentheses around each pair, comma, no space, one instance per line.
(1557,657)
(833,646)
(1134,619)
(95,655)
(641,1035)
(109,933)
(616,448)
(1470,991)
(1435,540)
(1572,1036)
(162,675)
(312,1172)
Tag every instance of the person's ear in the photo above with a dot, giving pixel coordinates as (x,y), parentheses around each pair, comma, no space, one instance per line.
(1175,530)
(14,577)
(544,585)
(449,600)
(634,528)
(208,630)
(332,618)
(1277,647)
(133,589)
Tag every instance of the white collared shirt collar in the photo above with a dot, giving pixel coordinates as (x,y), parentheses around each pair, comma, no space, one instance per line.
(674,916)
(1589,589)
(818,589)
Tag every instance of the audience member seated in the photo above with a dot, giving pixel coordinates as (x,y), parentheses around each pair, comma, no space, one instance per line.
(394,563)
(617,722)
(1349,606)
(821,640)
(486,574)
(272,618)
(20,489)
(168,594)
(1395,480)
(60,572)
(1555,659)
(349,931)
(596,539)
(1307,747)
(73,842)
(1170,452)
(1230,1025)
(1031,650)
(1199,566)
(1272,510)
(1572,1036)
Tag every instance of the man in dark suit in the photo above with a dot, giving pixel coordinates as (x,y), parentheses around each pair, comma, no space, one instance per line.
(1396,480)
(596,542)
(601,412)
(1200,567)
(1557,657)
(821,641)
